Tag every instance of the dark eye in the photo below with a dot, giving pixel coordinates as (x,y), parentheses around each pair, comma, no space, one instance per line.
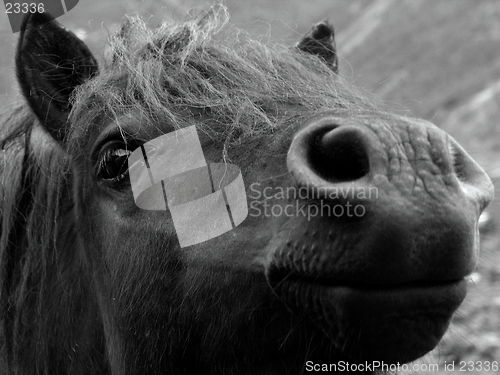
(113,163)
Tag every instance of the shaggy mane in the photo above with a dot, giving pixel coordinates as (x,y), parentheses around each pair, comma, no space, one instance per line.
(33,173)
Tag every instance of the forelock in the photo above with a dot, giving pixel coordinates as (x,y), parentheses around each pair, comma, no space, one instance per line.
(205,64)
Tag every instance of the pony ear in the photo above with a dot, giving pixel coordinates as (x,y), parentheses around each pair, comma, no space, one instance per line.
(320,41)
(50,63)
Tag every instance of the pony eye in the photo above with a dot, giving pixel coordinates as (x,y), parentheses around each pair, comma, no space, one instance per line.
(113,163)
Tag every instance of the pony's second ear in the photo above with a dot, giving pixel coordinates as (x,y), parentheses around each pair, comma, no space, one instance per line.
(50,63)
(320,41)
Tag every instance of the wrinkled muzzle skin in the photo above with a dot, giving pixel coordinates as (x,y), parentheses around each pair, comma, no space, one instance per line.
(360,234)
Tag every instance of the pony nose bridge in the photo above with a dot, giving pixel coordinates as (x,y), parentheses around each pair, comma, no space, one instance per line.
(334,153)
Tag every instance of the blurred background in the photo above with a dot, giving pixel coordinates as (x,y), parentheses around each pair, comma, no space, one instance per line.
(435,59)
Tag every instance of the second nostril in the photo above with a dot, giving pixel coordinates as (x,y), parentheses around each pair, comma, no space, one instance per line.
(340,155)
(474,182)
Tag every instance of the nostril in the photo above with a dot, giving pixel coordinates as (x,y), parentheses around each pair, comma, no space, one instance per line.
(457,161)
(474,182)
(340,155)
(464,166)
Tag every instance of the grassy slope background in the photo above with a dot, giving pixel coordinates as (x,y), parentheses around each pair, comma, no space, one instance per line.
(436,59)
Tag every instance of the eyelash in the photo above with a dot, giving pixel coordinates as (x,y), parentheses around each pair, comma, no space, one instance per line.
(118,154)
